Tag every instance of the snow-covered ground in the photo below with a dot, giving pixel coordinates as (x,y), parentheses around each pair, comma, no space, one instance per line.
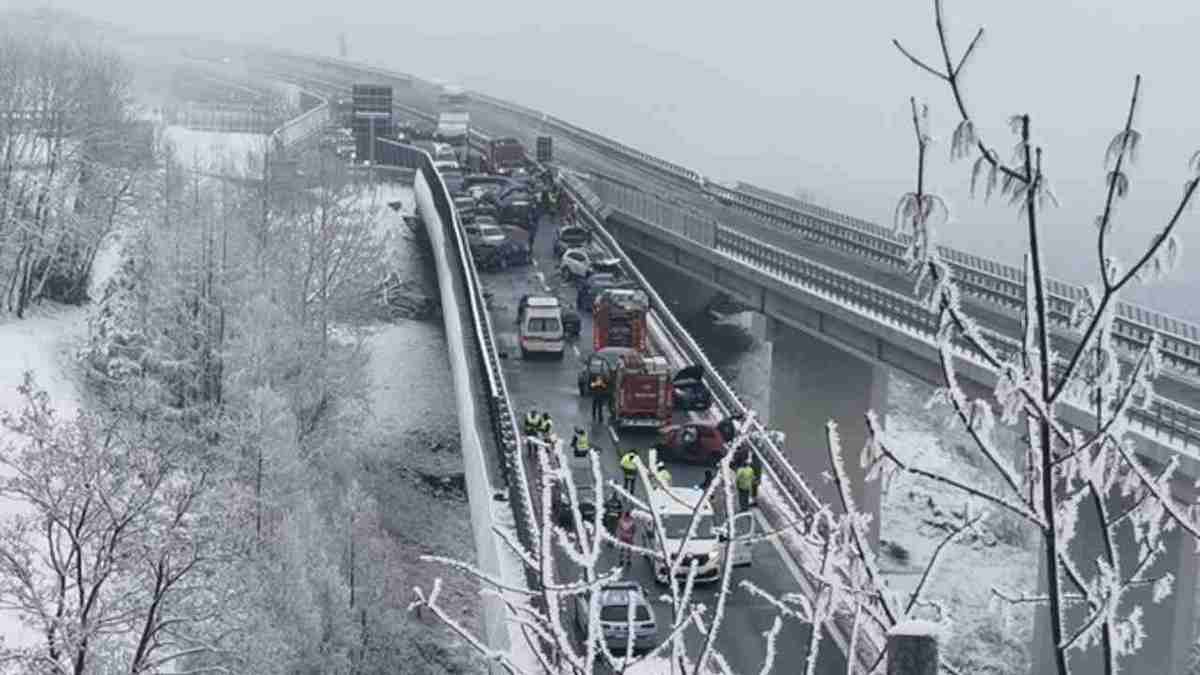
(44,343)
(215,150)
(915,512)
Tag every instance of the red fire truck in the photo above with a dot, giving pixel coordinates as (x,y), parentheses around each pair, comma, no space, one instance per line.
(643,392)
(619,319)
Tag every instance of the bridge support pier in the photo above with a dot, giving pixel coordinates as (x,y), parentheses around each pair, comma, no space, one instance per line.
(813,382)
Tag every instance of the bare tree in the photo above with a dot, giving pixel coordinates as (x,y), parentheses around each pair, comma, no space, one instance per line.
(1068,479)
(103,551)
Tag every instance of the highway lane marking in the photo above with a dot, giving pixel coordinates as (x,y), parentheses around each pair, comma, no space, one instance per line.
(613,434)
(575,348)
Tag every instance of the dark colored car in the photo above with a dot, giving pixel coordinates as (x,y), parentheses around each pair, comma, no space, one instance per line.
(602,363)
(484,208)
(481,183)
(581,474)
(466,207)
(698,442)
(690,391)
(517,210)
(570,236)
(589,289)
(453,180)
(506,254)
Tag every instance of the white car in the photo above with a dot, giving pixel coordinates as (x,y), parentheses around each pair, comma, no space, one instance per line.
(444,165)
(483,233)
(706,546)
(577,263)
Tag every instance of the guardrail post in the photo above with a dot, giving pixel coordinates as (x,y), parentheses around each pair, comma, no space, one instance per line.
(912,649)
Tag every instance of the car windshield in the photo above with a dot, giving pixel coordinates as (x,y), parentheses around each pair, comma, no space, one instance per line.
(620,613)
(544,325)
(675,526)
(607,266)
(485,220)
(602,280)
(491,231)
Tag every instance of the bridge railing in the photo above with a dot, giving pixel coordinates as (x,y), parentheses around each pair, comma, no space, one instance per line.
(979,277)
(302,127)
(1159,418)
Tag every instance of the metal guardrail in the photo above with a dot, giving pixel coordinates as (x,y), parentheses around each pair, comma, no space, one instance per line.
(979,277)
(1162,418)
(297,129)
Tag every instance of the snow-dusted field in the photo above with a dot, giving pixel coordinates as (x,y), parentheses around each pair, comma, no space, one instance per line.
(40,343)
(915,511)
(43,343)
(214,150)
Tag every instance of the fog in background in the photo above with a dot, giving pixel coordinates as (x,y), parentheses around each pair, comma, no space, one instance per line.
(801,95)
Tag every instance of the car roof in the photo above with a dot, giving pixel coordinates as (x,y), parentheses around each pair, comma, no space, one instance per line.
(670,503)
(621,594)
(541,301)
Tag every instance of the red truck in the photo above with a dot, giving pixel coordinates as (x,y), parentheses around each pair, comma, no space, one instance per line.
(505,154)
(643,392)
(619,319)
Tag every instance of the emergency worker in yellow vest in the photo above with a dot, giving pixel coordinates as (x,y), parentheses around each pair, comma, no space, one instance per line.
(629,469)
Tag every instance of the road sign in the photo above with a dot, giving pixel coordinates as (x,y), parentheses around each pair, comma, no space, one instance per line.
(545,150)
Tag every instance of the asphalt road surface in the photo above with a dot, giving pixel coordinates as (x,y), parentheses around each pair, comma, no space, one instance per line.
(548,384)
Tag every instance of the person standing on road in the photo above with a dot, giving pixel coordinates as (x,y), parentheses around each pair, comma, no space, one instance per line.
(533,426)
(629,469)
(626,534)
(756,464)
(745,483)
(599,393)
(580,445)
(547,427)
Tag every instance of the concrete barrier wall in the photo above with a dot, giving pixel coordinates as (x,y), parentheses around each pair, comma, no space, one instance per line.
(479,490)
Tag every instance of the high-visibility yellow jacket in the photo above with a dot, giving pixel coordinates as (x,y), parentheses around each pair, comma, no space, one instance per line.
(745,478)
(533,423)
(629,462)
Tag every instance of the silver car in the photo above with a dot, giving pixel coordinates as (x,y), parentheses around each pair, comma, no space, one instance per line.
(615,600)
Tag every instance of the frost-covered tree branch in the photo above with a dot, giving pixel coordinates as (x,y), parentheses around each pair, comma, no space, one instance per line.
(1065,470)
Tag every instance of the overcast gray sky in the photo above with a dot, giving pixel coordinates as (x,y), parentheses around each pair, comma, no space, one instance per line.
(795,94)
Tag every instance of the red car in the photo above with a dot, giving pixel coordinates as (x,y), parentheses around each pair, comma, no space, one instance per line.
(701,443)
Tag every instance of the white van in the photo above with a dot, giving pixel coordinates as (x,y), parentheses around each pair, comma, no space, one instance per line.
(541,326)
(707,543)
